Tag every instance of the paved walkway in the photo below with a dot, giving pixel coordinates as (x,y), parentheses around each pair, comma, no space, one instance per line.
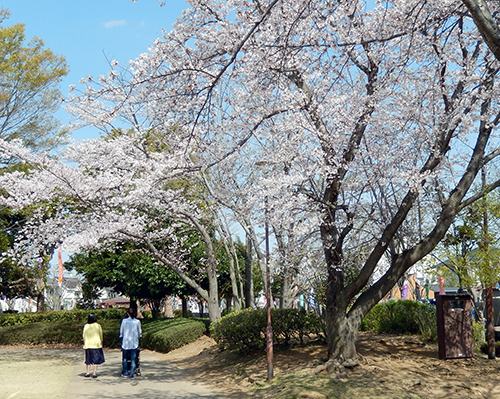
(45,373)
(158,379)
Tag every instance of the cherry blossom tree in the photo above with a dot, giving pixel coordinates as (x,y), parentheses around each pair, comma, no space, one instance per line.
(367,125)
(94,201)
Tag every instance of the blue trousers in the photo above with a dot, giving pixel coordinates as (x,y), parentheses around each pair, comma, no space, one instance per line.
(129,355)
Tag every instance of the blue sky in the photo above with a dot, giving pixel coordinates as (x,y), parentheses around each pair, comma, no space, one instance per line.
(88,31)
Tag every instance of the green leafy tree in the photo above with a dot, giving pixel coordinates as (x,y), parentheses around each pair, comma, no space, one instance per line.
(471,250)
(128,270)
(30,75)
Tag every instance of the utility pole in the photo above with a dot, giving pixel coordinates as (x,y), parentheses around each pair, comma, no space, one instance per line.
(269,328)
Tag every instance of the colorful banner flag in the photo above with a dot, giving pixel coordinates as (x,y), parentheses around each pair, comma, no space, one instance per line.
(60,267)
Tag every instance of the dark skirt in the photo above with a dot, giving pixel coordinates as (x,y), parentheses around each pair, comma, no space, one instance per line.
(94,356)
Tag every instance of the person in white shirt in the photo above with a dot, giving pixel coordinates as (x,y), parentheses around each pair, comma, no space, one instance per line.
(130,332)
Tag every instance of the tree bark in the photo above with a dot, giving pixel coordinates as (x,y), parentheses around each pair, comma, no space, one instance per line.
(231,252)
(168,310)
(286,289)
(485,24)
(342,343)
(40,302)
(184,307)
(249,298)
(490,326)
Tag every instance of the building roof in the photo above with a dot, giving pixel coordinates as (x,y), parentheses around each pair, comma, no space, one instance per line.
(120,300)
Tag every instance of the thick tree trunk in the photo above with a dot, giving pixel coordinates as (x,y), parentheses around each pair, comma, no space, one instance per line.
(137,305)
(168,310)
(286,289)
(342,343)
(342,328)
(228,305)
(213,293)
(155,308)
(214,309)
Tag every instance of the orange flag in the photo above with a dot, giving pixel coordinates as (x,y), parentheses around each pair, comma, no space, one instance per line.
(60,267)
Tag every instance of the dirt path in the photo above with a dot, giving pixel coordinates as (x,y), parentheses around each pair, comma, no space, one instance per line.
(391,367)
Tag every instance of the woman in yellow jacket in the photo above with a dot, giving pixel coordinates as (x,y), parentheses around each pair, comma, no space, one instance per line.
(92,343)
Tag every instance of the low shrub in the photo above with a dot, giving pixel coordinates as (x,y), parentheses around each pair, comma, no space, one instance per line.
(246,330)
(243,330)
(402,317)
(290,324)
(426,320)
(478,332)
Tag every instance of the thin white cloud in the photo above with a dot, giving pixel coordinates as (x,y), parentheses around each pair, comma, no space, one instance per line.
(113,24)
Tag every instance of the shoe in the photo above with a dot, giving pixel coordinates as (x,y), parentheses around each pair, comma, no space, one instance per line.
(131,377)
(94,376)
(124,375)
(87,375)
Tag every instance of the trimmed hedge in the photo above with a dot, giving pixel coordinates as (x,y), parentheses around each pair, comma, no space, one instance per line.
(57,332)
(14,319)
(246,330)
(162,335)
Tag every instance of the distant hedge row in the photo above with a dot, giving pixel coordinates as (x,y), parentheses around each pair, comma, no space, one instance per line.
(13,319)
(161,335)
